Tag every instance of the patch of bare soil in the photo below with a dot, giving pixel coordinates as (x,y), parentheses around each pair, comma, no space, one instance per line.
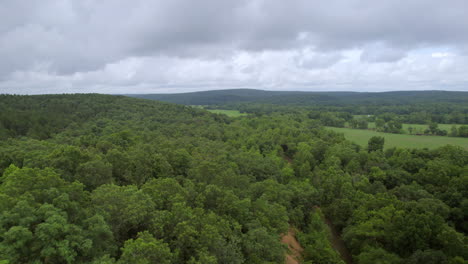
(338,243)
(294,254)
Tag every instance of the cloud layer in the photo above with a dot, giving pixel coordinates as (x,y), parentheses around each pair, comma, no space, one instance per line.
(116,46)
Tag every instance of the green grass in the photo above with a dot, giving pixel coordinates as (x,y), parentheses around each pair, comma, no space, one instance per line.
(361,116)
(231,113)
(418,128)
(361,137)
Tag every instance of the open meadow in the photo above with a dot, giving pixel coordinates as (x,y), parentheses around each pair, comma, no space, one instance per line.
(361,137)
(231,113)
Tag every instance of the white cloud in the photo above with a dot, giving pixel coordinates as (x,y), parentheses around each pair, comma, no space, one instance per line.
(277,70)
(118,46)
(442,54)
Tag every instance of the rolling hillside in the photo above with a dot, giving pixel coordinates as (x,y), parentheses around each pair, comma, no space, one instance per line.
(222,97)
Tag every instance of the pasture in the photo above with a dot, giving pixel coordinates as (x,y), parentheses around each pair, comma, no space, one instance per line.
(231,113)
(361,137)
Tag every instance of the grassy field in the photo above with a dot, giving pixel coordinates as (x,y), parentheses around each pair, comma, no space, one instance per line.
(418,128)
(361,137)
(231,113)
(361,116)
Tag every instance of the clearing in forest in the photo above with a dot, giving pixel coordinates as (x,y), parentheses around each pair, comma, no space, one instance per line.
(231,113)
(361,137)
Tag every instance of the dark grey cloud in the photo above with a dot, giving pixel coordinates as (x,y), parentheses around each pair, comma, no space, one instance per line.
(84,39)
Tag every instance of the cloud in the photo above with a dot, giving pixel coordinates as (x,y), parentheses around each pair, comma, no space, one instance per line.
(380,52)
(150,46)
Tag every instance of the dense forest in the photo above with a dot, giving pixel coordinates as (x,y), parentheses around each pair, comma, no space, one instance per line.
(233,96)
(90,178)
(415,107)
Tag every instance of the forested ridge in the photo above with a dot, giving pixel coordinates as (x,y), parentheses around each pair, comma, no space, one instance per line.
(417,107)
(235,96)
(91,178)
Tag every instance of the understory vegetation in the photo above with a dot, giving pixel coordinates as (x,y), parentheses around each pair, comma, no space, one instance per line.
(90,178)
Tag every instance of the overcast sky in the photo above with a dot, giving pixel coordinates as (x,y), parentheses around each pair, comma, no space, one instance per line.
(113,46)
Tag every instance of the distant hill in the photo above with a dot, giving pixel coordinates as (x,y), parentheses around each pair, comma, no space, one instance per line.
(223,97)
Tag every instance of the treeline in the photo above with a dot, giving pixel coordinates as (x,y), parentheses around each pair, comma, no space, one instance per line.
(137,181)
(388,122)
(392,123)
(301,98)
(442,113)
(412,107)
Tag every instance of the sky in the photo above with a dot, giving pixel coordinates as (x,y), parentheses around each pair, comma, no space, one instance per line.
(160,46)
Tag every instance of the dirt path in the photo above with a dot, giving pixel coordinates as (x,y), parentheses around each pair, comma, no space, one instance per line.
(295,250)
(338,244)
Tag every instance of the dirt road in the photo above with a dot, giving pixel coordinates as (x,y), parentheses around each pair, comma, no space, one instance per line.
(295,250)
